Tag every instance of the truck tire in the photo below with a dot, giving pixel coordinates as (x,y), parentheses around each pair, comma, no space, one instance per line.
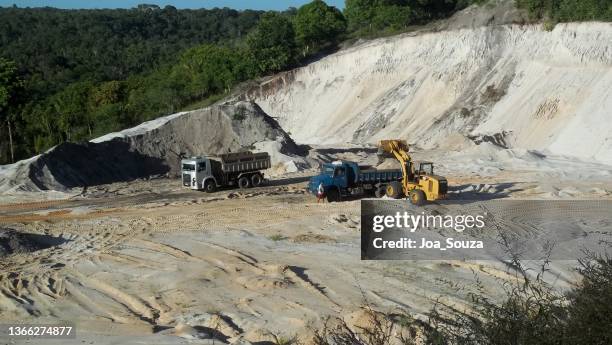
(244,182)
(210,186)
(417,197)
(394,189)
(333,195)
(256,180)
(379,192)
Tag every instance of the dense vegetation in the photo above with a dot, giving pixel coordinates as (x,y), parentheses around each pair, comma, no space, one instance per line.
(73,75)
(371,17)
(70,75)
(568,10)
(85,72)
(58,47)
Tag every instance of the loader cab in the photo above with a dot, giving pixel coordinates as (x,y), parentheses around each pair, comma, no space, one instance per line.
(194,170)
(433,186)
(424,168)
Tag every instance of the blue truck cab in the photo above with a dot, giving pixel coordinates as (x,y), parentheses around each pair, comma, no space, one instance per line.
(345,178)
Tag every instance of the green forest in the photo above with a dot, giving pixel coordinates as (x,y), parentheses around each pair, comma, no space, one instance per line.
(72,75)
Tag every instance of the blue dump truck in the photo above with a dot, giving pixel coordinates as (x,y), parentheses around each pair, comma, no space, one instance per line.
(344,178)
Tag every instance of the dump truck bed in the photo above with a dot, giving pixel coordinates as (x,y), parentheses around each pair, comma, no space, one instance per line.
(244,161)
(373,175)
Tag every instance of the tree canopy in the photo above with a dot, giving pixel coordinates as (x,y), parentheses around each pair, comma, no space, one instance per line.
(568,10)
(373,16)
(9,83)
(318,25)
(91,71)
(272,43)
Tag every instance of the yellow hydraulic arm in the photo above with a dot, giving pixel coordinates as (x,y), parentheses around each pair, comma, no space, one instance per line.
(399,149)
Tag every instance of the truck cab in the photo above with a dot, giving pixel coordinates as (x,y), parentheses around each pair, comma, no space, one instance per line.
(340,174)
(334,177)
(195,171)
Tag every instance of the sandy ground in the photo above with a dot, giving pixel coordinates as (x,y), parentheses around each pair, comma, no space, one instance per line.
(150,262)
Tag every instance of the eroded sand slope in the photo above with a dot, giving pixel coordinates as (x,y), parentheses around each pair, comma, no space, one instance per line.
(518,86)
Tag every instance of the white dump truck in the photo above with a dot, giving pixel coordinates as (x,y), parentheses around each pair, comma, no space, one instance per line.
(242,169)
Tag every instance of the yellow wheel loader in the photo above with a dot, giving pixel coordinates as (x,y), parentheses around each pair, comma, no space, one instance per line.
(419,183)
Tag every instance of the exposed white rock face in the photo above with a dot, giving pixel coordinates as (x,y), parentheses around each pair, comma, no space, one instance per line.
(517,85)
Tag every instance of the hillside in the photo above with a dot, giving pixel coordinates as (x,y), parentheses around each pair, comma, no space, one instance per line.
(74,75)
(58,47)
(516,86)
(480,90)
(510,87)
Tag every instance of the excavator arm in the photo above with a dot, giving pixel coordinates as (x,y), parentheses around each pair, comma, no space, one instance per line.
(398,149)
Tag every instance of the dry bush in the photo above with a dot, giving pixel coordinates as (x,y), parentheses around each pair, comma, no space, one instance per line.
(376,329)
(590,304)
(533,313)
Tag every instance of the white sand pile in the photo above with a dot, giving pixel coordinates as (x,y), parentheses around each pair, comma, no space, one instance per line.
(516,86)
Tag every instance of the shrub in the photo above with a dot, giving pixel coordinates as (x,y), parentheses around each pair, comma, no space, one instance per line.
(534,313)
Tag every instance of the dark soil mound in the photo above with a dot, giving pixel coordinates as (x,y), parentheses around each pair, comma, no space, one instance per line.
(13,242)
(86,164)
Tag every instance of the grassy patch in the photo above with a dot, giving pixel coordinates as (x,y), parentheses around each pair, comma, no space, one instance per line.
(277,237)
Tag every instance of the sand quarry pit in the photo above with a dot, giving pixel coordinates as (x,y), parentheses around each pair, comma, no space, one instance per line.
(102,234)
(150,261)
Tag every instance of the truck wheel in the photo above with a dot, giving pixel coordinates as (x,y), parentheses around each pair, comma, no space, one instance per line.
(417,197)
(210,186)
(333,195)
(394,189)
(379,192)
(244,182)
(256,180)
